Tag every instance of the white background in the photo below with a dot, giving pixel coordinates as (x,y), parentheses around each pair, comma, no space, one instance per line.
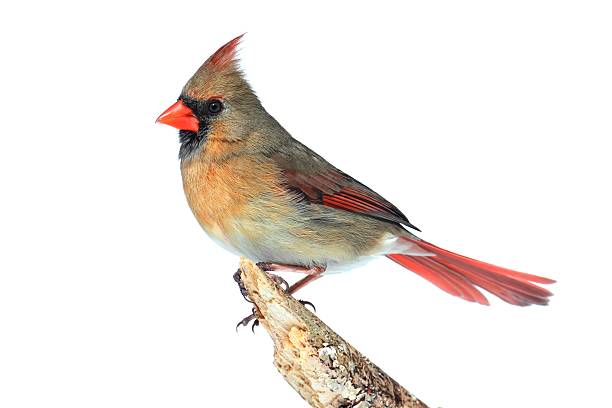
(487,122)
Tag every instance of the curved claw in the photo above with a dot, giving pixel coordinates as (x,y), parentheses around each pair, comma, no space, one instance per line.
(246,320)
(307,303)
(255,324)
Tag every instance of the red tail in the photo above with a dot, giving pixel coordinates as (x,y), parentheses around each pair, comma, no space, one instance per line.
(459,276)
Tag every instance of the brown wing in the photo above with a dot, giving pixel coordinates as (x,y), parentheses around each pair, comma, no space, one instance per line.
(319,182)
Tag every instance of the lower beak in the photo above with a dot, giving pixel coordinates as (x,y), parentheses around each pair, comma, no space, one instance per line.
(180,117)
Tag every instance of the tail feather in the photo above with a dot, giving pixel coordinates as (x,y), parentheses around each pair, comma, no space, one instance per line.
(512,293)
(459,275)
(468,290)
(470,261)
(449,285)
(509,282)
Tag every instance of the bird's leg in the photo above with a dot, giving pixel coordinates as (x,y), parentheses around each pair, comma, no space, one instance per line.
(303,282)
(312,274)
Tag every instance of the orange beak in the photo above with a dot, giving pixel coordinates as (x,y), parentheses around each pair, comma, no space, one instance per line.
(180,117)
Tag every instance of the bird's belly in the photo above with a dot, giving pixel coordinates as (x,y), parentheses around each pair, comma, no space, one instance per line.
(336,247)
(294,237)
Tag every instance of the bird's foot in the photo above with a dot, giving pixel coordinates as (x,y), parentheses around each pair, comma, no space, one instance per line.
(267,267)
(264,266)
(252,317)
(243,291)
(275,278)
(279,280)
(244,322)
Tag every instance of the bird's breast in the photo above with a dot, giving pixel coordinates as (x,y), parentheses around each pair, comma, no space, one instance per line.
(211,197)
(225,196)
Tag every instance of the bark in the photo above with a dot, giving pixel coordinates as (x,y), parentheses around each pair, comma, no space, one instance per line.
(322,367)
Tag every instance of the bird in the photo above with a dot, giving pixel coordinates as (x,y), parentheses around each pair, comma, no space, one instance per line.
(260,193)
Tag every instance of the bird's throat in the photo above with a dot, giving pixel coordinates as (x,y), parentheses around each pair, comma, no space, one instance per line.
(191,143)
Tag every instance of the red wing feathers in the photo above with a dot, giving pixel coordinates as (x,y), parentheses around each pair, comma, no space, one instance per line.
(323,184)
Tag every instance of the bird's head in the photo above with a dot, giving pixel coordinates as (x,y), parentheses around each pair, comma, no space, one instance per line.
(217,103)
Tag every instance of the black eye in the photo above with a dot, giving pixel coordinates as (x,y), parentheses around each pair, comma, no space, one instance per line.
(214,107)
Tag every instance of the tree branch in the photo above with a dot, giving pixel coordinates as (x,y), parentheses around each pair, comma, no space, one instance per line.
(323,368)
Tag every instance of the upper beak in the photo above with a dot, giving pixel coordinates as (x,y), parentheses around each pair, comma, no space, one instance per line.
(180,117)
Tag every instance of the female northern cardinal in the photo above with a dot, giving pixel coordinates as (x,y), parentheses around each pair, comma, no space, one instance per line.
(261,193)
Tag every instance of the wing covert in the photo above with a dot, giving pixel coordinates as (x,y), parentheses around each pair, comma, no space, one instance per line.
(319,182)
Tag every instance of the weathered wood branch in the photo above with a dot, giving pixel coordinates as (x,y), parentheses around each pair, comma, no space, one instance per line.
(323,368)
